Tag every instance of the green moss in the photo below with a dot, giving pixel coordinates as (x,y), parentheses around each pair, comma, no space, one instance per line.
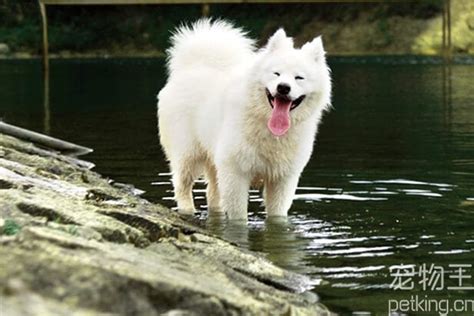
(11,227)
(73,230)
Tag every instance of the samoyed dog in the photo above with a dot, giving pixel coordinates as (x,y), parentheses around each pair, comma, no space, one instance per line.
(240,116)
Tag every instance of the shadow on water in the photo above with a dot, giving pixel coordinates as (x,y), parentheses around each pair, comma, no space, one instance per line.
(391,180)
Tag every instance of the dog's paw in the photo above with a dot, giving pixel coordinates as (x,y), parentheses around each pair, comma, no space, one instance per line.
(186,212)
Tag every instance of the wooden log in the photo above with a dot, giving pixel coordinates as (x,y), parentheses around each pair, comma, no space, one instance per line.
(205,10)
(46,141)
(44,19)
(136,2)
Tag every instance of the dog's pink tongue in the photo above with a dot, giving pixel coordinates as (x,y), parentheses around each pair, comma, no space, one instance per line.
(279,122)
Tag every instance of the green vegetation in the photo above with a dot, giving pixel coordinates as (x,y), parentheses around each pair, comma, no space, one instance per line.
(119,29)
(73,230)
(11,227)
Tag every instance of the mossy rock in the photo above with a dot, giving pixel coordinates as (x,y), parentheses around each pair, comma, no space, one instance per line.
(72,243)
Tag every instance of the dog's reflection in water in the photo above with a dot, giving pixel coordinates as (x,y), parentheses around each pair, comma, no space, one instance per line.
(276,238)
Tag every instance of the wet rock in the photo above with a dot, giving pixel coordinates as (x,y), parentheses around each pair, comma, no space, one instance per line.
(311,297)
(4,184)
(92,248)
(99,196)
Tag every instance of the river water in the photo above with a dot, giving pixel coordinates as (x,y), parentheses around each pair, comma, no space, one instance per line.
(391,181)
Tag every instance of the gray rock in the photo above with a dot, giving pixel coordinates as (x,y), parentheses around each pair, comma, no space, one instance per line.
(77,251)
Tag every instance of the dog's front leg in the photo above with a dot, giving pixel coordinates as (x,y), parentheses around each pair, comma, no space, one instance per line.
(279,194)
(233,189)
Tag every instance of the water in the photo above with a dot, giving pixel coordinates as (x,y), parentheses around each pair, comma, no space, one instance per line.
(391,181)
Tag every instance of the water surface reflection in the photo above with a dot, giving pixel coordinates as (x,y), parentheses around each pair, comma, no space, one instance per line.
(391,181)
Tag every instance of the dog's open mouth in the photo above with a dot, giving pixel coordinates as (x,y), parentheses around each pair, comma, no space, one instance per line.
(279,122)
(284,98)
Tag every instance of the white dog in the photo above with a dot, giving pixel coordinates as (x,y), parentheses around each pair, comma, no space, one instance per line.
(240,116)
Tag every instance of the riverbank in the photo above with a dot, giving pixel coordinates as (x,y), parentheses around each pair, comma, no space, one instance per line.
(73,242)
(143,31)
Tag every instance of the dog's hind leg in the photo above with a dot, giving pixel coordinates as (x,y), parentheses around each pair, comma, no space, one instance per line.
(212,190)
(183,181)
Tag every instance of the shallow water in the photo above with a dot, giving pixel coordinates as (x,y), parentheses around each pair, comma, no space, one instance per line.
(391,181)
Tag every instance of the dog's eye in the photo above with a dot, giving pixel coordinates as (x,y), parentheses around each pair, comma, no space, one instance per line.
(299,78)
(276,74)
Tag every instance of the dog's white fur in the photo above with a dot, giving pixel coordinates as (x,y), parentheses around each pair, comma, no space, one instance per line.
(213,115)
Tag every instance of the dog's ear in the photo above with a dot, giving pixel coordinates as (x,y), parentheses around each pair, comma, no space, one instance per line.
(279,40)
(315,48)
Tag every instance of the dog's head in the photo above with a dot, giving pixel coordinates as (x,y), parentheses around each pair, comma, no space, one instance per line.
(295,82)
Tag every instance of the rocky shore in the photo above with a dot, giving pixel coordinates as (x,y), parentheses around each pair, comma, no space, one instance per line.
(75,243)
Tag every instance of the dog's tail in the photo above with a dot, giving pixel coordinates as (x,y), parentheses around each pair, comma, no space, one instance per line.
(212,43)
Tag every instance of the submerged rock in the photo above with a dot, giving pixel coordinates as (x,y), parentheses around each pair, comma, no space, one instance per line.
(77,244)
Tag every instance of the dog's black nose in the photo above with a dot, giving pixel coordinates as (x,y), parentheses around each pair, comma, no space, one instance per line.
(283,88)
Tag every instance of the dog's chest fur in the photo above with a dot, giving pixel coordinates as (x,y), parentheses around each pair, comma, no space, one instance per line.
(265,155)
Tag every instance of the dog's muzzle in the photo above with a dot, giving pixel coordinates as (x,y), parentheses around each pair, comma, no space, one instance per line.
(285,98)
